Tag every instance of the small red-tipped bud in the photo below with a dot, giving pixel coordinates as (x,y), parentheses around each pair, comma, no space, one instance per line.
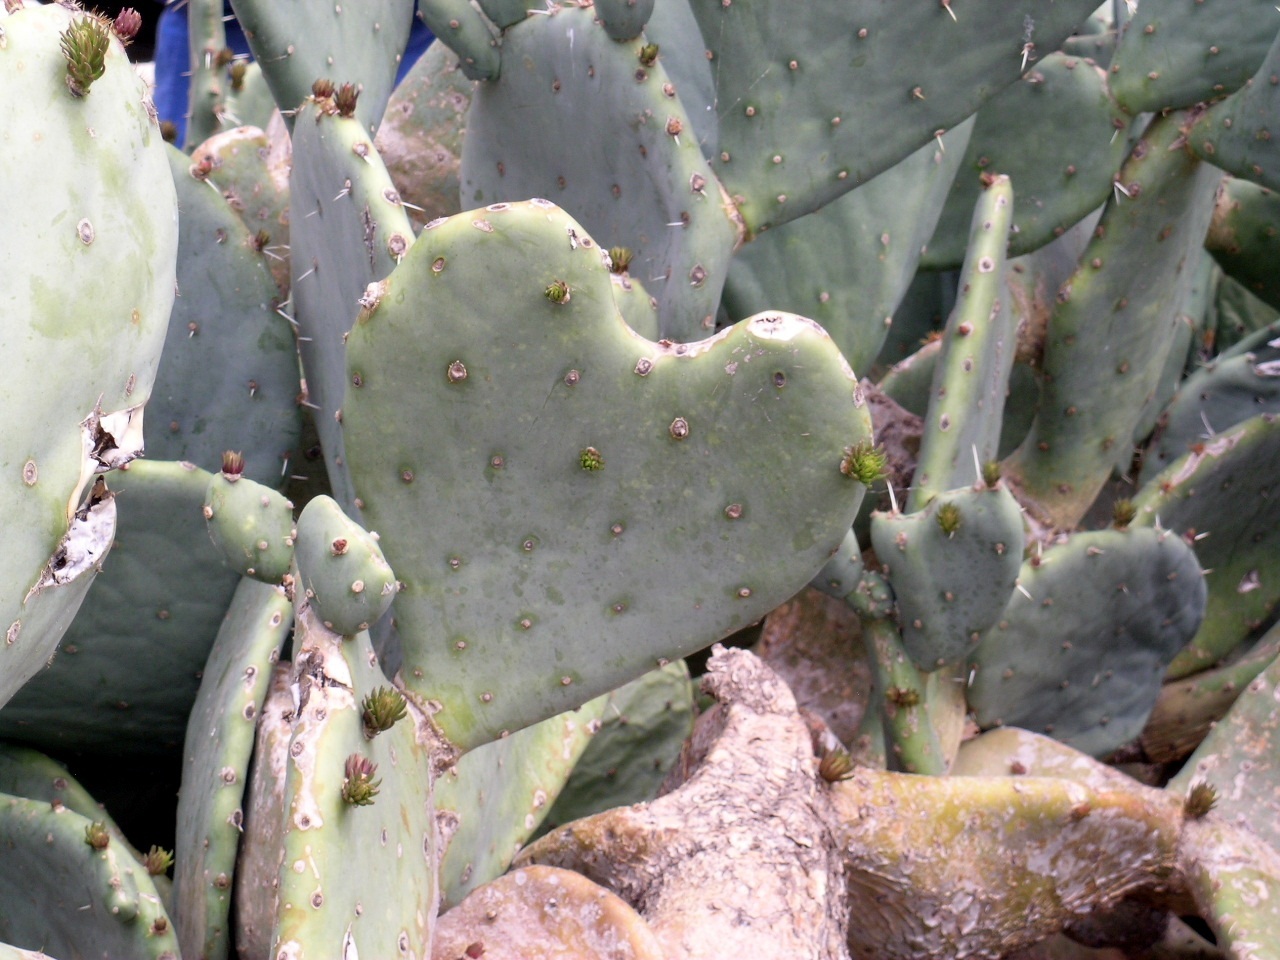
(619,259)
(232,465)
(158,861)
(96,835)
(358,786)
(345,100)
(1200,799)
(127,24)
(338,547)
(322,89)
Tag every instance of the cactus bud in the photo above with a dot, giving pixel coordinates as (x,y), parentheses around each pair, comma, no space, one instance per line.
(127,24)
(84,44)
(991,472)
(649,54)
(836,765)
(902,697)
(358,786)
(382,709)
(237,72)
(1122,513)
(557,291)
(1201,798)
(158,861)
(949,518)
(322,89)
(259,241)
(620,258)
(864,462)
(345,100)
(96,836)
(169,131)
(223,57)
(232,465)
(590,459)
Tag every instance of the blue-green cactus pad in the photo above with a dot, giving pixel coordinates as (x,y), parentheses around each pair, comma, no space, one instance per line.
(813,105)
(566,502)
(1082,646)
(1220,495)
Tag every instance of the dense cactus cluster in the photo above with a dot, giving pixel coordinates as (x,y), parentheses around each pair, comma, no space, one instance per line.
(657,315)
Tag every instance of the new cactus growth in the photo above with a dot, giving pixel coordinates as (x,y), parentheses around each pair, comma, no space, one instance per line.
(381,709)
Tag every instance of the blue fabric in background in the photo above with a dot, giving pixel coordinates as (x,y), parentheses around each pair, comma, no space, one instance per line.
(173,80)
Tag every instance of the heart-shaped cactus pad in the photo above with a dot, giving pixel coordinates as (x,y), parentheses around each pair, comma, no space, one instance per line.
(566,503)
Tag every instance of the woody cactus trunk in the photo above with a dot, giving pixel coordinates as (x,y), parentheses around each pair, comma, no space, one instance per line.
(937,338)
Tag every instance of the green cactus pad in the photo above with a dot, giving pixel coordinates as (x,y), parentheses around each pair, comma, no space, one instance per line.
(842,572)
(1082,646)
(302,42)
(420,139)
(30,774)
(66,897)
(1109,335)
(1054,134)
(848,264)
(1187,709)
(229,375)
(251,172)
(812,106)
(341,568)
(1235,386)
(971,378)
(615,148)
(348,229)
(1219,496)
(1235,133)
(219,743)
(624,19)
(128,669)
(950,586)
(252,525)
(544,583)
(1179,54)
(1244,236)
(1239,759)
(331,849)
(209,58)
(642,731)
(495,797)
(89,262)
(460,27)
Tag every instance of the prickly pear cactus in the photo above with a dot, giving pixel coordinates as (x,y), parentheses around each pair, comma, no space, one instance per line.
(554,556)
(89,280)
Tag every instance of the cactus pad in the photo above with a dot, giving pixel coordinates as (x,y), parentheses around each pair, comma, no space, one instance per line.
(578,462)
(1062,661)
